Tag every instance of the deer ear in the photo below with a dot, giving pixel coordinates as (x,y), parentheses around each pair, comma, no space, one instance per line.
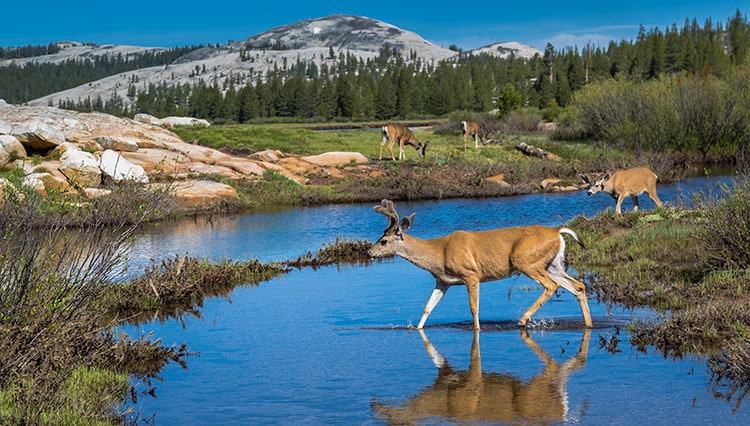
(606,177)
(406,223)
(585,179)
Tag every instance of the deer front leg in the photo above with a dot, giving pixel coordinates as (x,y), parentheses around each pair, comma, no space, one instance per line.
(437,294)
(619,204)
(635,202)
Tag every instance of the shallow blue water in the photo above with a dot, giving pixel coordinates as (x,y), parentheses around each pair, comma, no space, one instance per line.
(330,346)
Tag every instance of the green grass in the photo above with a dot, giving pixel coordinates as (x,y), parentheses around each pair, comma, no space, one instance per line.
(87,397)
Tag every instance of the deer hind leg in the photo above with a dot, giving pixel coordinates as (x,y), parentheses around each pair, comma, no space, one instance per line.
(549,289)
(437,294)
(390,148)
(476,143)
(382,142)
(558,274)
(654,197)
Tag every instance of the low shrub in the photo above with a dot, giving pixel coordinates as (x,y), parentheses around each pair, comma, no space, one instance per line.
(726,226)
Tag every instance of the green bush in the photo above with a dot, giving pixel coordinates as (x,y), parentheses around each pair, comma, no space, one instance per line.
(678,113)
(727,227)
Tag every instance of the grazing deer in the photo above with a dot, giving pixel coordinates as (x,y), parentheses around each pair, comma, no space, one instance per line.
(469,258)
(475,396)
(472,128)
(399,132)
(626,183)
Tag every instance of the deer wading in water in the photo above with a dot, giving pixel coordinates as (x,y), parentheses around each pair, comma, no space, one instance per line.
(469,258)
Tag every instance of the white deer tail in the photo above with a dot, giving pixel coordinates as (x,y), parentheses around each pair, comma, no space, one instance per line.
(566,230)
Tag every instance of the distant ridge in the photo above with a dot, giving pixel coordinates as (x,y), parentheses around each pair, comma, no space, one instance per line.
(246,61)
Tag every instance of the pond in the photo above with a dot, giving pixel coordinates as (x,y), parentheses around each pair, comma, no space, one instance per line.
(333,345)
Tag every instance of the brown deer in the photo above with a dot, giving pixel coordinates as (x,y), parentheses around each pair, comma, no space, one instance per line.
(626,183)
(469,258)
(399,132)
(474,396)
(472,128)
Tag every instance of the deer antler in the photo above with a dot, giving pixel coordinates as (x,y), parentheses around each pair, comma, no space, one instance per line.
(386,208)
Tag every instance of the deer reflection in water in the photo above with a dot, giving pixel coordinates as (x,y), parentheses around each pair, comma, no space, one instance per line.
(477,396)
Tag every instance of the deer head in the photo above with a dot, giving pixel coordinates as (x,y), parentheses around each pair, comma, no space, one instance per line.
(422,148)
(598,184)
(393,236)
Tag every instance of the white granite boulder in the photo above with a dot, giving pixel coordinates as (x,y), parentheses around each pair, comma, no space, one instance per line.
(336,159)
(81,168)
(119,168)
(9,147)
(38,135)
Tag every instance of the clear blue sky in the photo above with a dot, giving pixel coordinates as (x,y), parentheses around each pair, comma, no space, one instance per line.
(179,23)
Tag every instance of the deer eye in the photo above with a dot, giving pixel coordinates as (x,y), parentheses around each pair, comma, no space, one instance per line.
(383,242)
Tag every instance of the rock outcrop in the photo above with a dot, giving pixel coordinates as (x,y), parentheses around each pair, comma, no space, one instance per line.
(83,150)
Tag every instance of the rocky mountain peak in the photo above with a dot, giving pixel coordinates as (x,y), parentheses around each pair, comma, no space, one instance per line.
(335,31)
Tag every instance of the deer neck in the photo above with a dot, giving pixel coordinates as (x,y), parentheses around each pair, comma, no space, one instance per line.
(426,254)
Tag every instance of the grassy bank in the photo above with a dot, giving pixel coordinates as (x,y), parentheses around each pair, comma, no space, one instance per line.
(447,171)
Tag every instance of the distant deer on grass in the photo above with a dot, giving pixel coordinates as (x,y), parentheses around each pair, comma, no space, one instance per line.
(473,395)
(473,129)
(469,258)
(626,183)
(394,132)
